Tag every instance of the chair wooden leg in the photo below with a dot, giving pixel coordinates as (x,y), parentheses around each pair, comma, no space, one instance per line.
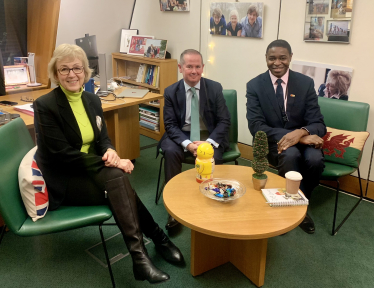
(2,233)
(106,256)
(158,182)
(335,231)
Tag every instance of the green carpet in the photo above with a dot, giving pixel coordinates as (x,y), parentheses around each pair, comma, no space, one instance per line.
(293,260)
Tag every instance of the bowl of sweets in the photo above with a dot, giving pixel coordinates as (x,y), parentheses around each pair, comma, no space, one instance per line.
(222,190)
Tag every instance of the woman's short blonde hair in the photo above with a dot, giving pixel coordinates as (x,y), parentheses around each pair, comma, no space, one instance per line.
(69,51)
(234,13)
(340,80)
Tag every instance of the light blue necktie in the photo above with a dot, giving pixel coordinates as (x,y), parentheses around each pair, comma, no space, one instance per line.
(195,121)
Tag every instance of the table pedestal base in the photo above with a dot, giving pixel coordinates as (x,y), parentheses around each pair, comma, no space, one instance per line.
(249,256)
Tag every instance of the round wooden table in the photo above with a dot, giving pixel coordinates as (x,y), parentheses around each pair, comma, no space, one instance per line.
(235,232)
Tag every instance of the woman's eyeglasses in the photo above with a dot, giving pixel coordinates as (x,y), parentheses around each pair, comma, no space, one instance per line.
(66,71)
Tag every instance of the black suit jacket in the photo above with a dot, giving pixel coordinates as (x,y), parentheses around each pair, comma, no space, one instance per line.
(264,114)
(212,109)
(59,141)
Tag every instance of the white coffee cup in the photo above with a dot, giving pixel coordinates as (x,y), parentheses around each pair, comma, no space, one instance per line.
(293,179)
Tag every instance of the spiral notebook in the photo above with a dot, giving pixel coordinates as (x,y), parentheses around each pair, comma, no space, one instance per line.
(276,197)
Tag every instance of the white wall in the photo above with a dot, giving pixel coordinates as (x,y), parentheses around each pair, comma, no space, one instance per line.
(103,18)
(181,29)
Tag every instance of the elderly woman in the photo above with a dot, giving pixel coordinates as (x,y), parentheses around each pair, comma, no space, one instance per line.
(233,27)
(337,85)
(81,167)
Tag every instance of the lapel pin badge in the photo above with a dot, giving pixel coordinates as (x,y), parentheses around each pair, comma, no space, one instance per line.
(292,95)
(99,123)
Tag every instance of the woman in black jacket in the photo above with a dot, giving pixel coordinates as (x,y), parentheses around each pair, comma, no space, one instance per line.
(80,165)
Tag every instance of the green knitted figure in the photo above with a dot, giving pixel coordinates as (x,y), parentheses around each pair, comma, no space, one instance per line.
(260,151)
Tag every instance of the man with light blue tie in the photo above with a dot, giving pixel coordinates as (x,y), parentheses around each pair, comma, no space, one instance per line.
(195,112)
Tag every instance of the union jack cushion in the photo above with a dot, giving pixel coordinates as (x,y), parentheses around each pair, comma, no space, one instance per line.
(32,186)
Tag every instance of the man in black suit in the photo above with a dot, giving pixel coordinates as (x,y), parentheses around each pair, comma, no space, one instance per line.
(210,111)
(284,105)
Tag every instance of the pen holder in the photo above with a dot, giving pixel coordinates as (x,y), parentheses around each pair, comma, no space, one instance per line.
(4,117)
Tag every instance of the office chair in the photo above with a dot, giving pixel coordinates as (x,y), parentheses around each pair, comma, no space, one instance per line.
(232,155)
(344,115)
(15,143)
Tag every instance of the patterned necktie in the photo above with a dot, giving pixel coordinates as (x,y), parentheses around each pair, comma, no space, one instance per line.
(195,122)
(280,97)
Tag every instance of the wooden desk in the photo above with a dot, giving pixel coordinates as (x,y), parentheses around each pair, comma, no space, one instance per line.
(121,116)
(235,232)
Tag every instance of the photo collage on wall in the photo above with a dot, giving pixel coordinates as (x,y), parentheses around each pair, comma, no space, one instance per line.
(328,20)
(175,5)
(240,19)
(329,81)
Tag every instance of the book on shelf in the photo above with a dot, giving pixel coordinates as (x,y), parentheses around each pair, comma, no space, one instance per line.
(148,74)
(155,102)
(155,75)
(153,121)
(149,110)
(140,72)
(148,125)
(277,197)
(151,117)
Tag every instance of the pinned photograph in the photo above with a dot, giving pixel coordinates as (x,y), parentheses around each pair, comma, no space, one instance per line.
(315,29)
(236,19)
(155,48)
(137,44)
(330,81)
(338,31)
(318,7)
(126,38)
(175,5)
(341,8)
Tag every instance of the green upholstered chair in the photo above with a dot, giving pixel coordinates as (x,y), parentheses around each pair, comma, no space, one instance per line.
(343,115)
(233,154)
(15,143)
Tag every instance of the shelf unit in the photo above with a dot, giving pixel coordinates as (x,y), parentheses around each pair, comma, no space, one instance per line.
(128,65)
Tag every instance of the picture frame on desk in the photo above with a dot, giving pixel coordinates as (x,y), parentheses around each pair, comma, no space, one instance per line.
(126,38)
(137,44)
(155,48)
(16,75)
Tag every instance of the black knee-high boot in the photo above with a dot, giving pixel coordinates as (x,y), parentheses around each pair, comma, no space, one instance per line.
(123,204)
(150,228)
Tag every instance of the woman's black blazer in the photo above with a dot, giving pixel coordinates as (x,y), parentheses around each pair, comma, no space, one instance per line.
(59,141)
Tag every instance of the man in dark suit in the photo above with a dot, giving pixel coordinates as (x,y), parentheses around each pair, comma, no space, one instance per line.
(193,105)
(284,105)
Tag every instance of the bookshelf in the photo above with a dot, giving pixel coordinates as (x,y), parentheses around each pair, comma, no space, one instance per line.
(125,65)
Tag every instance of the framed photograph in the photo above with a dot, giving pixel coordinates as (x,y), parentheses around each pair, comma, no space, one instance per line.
(137,44)
(239,19)
(314,30)
(330,81)
(341,8)
(21,60)
(125,39)
(16,75)
(174,5)
(321,24)
(155,48)
(318,7)
(338,30)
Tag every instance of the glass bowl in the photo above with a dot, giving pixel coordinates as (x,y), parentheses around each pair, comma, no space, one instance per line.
(239,187)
